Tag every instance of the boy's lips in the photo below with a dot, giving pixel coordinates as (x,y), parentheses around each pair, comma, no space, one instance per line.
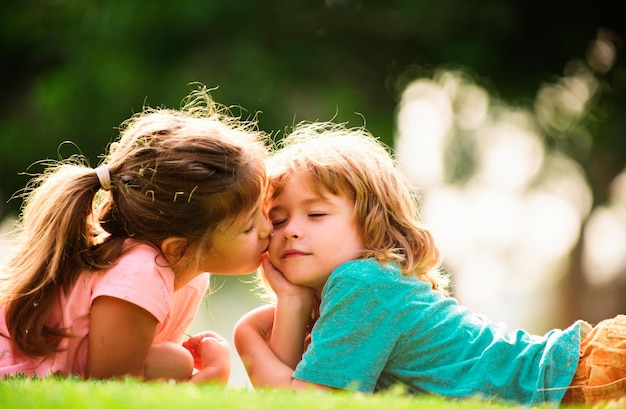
(292,253)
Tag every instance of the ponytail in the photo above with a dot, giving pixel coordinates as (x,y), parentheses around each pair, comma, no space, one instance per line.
(56,234)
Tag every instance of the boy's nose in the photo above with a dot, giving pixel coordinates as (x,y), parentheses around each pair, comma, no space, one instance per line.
(291,231)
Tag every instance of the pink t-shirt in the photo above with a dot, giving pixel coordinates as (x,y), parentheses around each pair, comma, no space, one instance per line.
(139,278)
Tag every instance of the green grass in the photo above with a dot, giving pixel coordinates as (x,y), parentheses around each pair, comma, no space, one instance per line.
(131,394)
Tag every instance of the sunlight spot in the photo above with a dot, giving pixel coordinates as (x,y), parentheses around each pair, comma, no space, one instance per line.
(601,54)
(495,216)
(472,107)
(605,241)
(506,213)
(424,121)
(564,178)
(447,215)
(604,257)
(558,106)
(482,279)
(574,96)
(509,156)
(618,190)
(550,229)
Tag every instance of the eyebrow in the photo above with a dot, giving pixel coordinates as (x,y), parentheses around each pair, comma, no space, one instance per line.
(249,215)
(253,211)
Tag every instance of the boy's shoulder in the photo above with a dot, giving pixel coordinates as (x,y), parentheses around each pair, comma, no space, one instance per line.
(368,269)
(371,272)
(366,263)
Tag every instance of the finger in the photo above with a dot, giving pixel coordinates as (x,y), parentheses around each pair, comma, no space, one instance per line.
(213,350)
(267,267)
(272,275)
(197,338)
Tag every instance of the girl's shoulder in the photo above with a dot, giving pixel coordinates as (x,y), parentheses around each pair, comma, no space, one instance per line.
(141,260)
(139,246)
(134,251)
(140,276)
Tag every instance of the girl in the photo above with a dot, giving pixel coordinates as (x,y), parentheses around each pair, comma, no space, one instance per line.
(110,269)
(346,232)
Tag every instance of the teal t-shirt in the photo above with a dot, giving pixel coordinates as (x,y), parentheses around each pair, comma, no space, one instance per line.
(378,328)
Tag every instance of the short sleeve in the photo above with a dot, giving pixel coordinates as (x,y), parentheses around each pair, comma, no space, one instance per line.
(353,338)
(141,278)
(184,309)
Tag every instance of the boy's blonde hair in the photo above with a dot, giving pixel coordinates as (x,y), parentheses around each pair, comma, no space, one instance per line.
(351,162)
(173,173)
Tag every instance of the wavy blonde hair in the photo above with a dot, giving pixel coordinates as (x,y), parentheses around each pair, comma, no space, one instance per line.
(174,173)
(351,162)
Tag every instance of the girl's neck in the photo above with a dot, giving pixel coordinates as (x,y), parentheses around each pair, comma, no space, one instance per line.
(184,276)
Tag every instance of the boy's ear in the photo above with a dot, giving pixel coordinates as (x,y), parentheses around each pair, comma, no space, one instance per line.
(174,247)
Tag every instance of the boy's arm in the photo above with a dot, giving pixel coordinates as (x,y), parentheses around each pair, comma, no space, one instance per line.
(252,336)
(284,333)
(288,329)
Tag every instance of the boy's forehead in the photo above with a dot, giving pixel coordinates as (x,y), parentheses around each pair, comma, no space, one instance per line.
(308,192)
(304,183)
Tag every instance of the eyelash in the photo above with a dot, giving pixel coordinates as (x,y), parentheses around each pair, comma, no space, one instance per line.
(277,223)
(251,229)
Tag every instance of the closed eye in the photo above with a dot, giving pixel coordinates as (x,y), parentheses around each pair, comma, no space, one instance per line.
(278,222)
(317,214)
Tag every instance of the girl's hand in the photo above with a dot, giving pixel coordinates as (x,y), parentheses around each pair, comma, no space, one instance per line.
(211,354)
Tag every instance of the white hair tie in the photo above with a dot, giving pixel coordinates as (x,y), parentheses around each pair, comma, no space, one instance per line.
(104,176)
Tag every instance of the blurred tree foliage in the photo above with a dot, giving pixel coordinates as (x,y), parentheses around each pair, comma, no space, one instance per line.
(73,70)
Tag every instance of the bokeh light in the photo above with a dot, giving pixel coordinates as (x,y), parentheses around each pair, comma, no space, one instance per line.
(509,224)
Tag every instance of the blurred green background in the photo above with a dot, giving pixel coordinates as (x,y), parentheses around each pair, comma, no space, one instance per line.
(73,70)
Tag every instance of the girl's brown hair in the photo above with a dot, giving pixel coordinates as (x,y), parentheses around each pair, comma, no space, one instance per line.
(174,173)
